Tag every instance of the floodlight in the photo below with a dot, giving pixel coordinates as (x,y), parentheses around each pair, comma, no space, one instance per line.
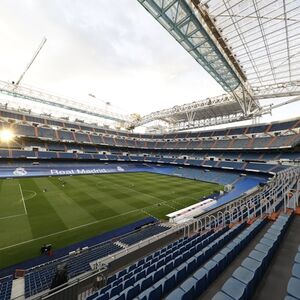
(6,135)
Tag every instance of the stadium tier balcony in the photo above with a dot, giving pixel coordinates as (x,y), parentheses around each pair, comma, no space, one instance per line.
(24,130)
(82,137)
(66,135)
(22,153)
(257,129)
(47,133)
(231,165)
(224,144)
(11,115)
(108,140)
(66,155)
(90,149)
(96,139)
(56,147)
(283,126)
(46,155)
(240,143)
(261,142)
(259,167)
(282,141)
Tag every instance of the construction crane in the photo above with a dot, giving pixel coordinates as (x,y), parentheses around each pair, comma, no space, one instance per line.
(31,61)
(103,101)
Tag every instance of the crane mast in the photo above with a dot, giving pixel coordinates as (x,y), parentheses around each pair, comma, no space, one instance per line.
(32,60)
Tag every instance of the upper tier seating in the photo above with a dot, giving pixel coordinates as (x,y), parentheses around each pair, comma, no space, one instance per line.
(242,135)
(46,133)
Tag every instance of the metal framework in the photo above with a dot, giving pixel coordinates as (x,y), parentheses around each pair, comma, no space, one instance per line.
(42,97)
(250,47)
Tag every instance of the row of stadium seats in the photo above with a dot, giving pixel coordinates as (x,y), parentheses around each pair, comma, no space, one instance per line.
(5,287)
(267,142)
(275,127)
(199,281)
(240,166)
(40,278)
(232,155)
(183,269)
(242,283)
(293,288)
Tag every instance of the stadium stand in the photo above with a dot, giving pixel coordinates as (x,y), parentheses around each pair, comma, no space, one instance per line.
(186,267)
(242,283)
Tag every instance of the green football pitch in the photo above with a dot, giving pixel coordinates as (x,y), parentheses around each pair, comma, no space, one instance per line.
(83,207)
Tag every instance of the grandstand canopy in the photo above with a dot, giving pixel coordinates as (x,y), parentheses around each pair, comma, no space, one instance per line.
(263,37)
(250,47)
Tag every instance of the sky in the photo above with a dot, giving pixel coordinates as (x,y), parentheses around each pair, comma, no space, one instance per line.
(113,49)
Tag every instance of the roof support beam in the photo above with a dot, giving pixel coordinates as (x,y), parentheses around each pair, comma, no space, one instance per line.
(48,99)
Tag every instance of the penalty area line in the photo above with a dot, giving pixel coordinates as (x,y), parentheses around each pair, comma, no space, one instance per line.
(25,209)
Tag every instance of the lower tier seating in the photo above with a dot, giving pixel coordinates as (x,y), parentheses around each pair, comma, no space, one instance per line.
(40,279)
(199,281)
(156,275)
(242,283)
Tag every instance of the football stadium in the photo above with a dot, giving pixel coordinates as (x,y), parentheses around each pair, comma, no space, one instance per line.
(195,200)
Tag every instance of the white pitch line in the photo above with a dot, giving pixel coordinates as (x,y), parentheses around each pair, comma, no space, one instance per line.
(12,216)
(25,209)
(81,226)
(70,229)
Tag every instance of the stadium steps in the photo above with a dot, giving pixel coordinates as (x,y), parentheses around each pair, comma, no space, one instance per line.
(274,283)
(244,280)
(220,280)
(18,287)
(195,284)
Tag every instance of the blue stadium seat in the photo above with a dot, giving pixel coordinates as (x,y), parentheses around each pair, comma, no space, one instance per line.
(293,288)
(221,296)
(235,289)
(296,270)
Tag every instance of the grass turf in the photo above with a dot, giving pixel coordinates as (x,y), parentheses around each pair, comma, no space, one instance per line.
(84,207)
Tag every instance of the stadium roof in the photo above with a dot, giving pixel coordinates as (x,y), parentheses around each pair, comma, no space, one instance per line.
(262,35)
(249,46)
